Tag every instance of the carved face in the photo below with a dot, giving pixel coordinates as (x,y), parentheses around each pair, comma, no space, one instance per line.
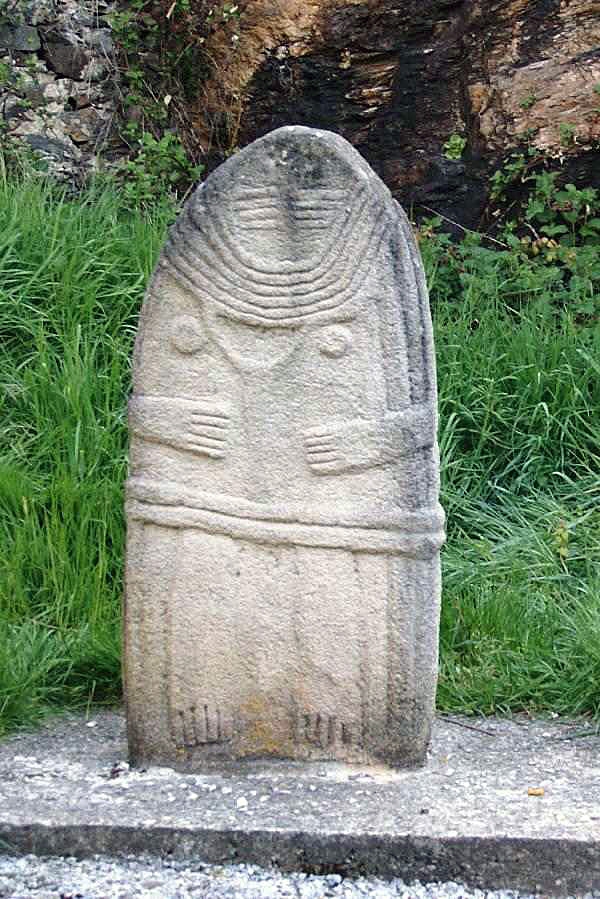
(276,255)
(279,227)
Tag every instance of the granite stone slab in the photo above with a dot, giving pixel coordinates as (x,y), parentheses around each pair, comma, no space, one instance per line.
(282,591)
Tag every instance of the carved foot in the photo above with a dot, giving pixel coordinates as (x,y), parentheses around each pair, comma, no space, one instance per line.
(199,725)
(326,731)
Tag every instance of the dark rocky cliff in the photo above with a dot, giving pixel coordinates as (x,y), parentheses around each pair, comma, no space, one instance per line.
(399,79)
(434,93)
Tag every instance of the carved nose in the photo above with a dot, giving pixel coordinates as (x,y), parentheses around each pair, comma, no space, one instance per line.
(285,225)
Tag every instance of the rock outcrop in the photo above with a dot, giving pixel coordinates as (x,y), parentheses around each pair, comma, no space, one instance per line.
(433,93)
(398,79)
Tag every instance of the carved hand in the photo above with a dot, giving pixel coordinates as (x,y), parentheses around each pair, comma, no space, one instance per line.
(345,446)
(363,443)
(198,426)
(206,430)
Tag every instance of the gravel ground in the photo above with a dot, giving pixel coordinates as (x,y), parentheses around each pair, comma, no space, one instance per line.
(30,877)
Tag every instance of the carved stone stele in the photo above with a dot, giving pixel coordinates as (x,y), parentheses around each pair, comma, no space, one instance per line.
(283,585)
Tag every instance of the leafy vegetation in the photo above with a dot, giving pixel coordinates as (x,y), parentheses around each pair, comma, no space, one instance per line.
(72,274)
(163,66)
(518,342)
(455,146)
(519,369)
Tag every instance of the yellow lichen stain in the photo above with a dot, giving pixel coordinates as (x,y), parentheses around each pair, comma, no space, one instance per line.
(265,732)
(346,60)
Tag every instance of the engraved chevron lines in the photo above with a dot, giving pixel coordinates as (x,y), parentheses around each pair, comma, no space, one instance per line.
(206,250)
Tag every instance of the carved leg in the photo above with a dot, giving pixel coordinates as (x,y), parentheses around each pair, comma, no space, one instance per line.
(204,651)
(331,680)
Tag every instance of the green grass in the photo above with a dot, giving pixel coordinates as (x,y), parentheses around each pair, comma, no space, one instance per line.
(72,274)
(520,435)
(519,383)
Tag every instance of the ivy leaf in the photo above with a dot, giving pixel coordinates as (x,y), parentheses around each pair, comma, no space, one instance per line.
(553,230)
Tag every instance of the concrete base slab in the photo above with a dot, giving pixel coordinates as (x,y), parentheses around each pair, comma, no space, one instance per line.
(500,803)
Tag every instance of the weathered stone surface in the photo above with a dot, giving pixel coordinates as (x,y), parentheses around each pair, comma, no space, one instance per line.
(47,145)
(65,59)
(33,12)
(283,518)
(83,125)
(72,69)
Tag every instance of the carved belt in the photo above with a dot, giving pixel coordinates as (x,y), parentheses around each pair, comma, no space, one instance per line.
(419,534)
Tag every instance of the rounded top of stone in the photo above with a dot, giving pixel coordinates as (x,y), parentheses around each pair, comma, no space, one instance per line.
(310,154)
(284,229)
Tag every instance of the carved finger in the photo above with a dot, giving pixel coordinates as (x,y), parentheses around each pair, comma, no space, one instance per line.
(323,463)
(214,421)
(326,446)
(314,440)
(205,449)
(209,409)
(327,467)
(322,455)
(209,431)
(206,440)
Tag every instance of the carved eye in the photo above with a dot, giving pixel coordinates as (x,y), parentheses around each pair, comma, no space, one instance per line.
(335,341)
(187,334)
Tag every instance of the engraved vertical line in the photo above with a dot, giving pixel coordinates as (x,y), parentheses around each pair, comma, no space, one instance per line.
(296,642)
(142,600)
(412,577)
(184,735)
(318,728)
(421,349)
(393,336)
(391,662)
(404,648)
(410,308)
(169,634)
(417,476)
(399,300)
(200,725)
(364,669)
(331,730)
(427,358)
(135,649)
(207,723)
(194,726)
(427,462)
